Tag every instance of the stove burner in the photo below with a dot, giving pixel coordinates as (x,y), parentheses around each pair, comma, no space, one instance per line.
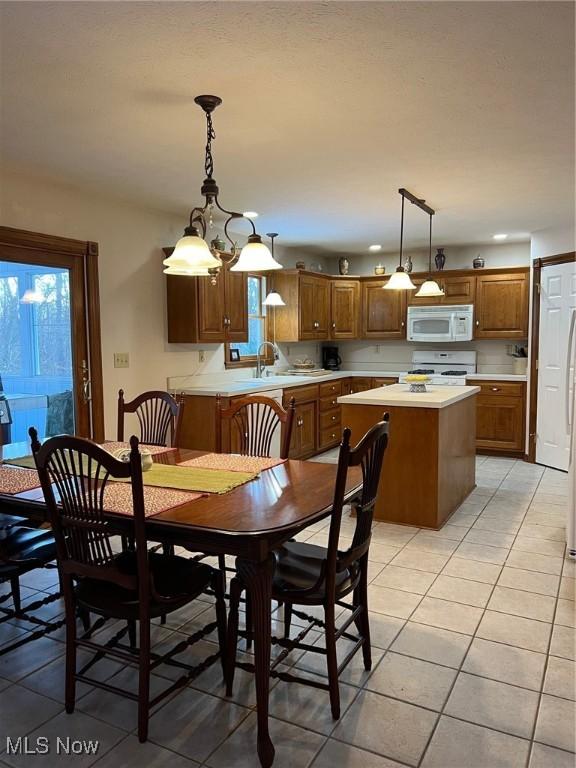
(422,370)
(454,373)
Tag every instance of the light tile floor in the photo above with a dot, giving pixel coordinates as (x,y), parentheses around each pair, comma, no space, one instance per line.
(474,658)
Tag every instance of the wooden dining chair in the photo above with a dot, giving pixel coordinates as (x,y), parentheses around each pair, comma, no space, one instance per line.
(135,586)
(24,549)
(159,415)
(253,423)
(309,575)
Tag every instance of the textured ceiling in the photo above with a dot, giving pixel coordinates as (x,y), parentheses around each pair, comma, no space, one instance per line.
(328,109)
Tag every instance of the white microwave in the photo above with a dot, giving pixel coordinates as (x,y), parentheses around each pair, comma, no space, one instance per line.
(441,323)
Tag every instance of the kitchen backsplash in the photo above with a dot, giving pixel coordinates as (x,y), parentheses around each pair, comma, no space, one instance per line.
(493,357)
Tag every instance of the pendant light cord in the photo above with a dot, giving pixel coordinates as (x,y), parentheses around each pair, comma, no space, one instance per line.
(401,230)
(430,249)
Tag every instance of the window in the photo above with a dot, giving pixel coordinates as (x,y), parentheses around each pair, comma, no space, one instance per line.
(256,326)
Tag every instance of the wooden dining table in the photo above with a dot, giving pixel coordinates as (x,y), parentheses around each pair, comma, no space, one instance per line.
(248,522)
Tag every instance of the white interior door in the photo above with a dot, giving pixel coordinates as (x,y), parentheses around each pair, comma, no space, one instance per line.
(555,364)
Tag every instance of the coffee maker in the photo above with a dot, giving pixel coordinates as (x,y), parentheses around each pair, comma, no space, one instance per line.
(331,360)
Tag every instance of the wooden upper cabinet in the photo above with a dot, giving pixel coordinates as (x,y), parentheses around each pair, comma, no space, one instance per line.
(344,309)
(501,306)
(203,310)
(211,311)
(383,311)
(306,315)
(236,306)
(314,307)
(418,301)
(459,290)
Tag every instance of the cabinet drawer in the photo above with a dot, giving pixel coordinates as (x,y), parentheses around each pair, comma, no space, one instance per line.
(327,403)
(499,388)
(330,419)
(330,436)
(333,388)
(301,394)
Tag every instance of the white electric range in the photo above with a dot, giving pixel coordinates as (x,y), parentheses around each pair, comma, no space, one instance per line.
(448,369)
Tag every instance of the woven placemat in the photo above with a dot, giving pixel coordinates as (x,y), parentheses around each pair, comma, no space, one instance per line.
(14,480)
(232,462)
(118,498)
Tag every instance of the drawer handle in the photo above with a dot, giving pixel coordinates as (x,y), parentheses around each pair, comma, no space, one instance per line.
(495,389)
(300,423)
(333,402)
(333,436)
(334,326)
(477,323)
(333,418)
(333,388)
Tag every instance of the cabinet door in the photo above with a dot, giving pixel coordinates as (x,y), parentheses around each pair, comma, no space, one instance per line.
(182,308)
(500,423)
(344,295)
(314,307)
(418,301)
(211,309)
(303,440)
(383,312)
(305,419)
(501,306)
(236,306)
(458,290)
(307,310)
(322,307)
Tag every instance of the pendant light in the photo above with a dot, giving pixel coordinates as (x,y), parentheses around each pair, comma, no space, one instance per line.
(273,299)
(400,280)
(430,287)
(192,255)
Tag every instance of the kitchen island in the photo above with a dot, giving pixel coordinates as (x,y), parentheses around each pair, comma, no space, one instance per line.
(430,464)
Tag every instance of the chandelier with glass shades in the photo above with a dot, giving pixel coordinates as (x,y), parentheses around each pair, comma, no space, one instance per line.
(192,255)
(400,279)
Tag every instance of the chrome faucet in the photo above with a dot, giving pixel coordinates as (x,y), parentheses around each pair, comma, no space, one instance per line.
(261,364)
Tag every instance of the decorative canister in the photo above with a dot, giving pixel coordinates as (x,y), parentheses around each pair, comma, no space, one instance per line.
(379,269)
(300,265)
(343,265)
(417,386)
(478,262)
(417,382)
(408,265)
(440,259)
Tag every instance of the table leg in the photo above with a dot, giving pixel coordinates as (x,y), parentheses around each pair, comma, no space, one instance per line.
(257,577)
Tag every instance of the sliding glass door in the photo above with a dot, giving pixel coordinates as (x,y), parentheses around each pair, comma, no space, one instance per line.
(44,351)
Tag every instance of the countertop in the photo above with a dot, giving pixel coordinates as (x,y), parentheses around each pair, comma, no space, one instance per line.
(230,388)
(400,396)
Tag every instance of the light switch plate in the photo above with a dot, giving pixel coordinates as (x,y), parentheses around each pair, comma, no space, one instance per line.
(121,360)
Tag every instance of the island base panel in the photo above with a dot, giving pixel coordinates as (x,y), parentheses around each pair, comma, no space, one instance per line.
(430,464)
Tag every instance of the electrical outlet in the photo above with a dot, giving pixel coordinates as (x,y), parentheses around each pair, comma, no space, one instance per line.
(202,356)
(377,349)
(121,360)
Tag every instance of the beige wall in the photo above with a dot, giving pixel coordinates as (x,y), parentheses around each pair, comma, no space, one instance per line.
(131,281)
(457,257)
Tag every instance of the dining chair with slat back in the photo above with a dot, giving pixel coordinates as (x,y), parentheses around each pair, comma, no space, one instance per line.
(253,424)
(310,575)
(134,586)
(159,415)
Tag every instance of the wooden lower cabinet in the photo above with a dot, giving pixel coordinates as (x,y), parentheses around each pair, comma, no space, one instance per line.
(500,417)
(303,443)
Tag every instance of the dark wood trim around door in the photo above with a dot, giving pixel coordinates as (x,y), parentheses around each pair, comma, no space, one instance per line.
(537,266)
(45,248)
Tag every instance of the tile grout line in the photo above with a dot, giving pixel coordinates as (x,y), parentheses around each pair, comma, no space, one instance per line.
(459,671)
